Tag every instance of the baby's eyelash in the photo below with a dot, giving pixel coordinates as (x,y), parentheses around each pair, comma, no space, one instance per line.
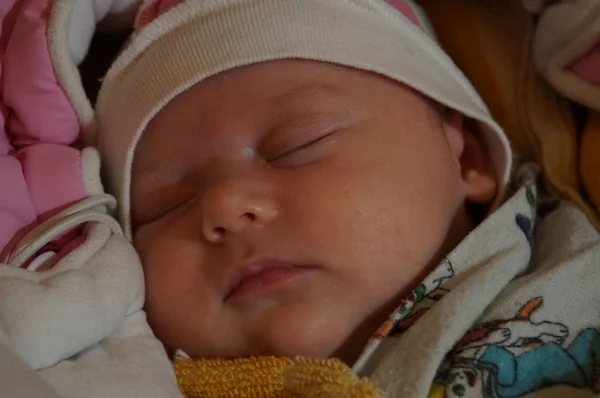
(299,147)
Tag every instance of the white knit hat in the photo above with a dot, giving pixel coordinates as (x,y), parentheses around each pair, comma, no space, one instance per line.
(196,39)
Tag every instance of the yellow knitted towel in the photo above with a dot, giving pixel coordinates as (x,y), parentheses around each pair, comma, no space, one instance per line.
(270,377)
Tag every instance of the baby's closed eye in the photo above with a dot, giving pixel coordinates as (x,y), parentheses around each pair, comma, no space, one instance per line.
(304,152)
(303,141)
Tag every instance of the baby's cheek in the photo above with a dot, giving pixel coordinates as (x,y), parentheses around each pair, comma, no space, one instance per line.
(169,285)
(175,309)
(311,329)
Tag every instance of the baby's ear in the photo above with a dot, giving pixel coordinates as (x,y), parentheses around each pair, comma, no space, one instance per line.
(477,171)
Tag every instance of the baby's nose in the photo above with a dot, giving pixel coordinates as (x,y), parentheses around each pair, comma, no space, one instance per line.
(233,206)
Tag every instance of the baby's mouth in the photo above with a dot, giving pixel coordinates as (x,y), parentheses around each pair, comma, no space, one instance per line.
(262,276)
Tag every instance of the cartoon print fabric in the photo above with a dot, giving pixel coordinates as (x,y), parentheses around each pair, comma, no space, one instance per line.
(518,356)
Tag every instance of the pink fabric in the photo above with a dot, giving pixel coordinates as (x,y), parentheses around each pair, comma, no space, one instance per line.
(153,9)
(8,13)
(588,66)
(407,9)
(39,168)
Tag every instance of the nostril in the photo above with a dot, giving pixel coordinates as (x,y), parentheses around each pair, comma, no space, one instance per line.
(219,231)
(249,216)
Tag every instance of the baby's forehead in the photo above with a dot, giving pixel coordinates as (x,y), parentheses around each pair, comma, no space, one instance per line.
(284,84)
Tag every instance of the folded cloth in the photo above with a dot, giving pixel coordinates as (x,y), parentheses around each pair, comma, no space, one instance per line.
(17,380)
(566,47)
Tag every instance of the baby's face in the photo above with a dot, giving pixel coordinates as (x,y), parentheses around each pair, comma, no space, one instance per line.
(284,208)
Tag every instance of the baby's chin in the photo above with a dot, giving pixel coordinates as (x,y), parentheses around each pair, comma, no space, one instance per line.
(306,329)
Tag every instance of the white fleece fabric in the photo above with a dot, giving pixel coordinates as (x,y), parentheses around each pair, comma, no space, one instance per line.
(81,325)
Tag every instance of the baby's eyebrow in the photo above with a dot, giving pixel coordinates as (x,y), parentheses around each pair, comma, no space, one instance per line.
(303,92)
